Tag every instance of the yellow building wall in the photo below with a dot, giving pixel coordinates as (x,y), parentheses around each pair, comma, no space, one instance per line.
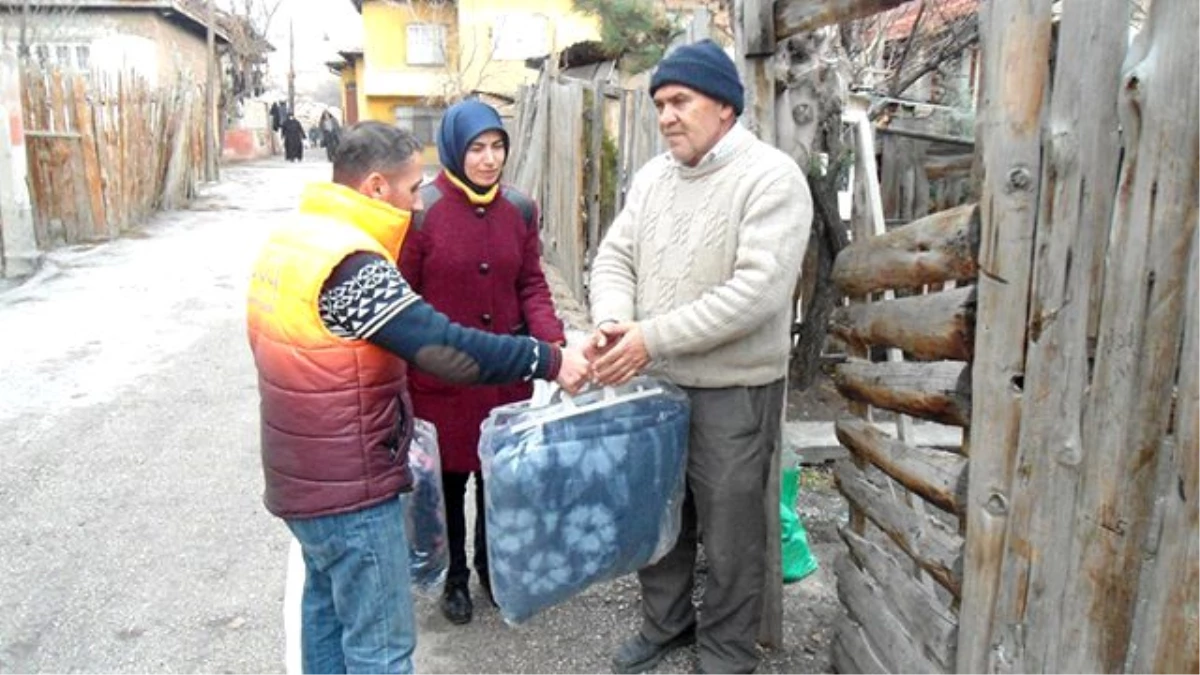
(385,45)
(481,19)
(346,77)
(359,68)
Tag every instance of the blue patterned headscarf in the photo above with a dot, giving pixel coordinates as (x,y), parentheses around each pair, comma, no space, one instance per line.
(462,123)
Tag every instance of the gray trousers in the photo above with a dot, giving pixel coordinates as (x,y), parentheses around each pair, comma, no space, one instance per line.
(734,433)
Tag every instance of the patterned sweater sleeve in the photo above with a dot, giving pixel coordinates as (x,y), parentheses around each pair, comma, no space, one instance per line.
(367,298)
(772,238)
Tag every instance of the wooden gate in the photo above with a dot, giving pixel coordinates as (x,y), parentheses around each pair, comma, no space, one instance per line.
(106,153)
(576,147)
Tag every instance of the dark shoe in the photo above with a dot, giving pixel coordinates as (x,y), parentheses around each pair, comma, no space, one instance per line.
(456,604)
(638,654)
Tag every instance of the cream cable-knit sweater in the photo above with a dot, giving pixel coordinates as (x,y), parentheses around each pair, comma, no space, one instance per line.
(706,258)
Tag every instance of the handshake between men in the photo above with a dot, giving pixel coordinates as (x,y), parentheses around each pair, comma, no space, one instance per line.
(614,354)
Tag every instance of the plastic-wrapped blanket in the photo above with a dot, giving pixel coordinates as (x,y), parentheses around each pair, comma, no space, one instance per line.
(425,512)
(581,490)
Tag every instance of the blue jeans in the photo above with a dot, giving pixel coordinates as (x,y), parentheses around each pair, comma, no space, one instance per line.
(356,615)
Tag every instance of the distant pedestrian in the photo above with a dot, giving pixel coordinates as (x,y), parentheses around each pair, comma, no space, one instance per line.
(330,133)
(293,139)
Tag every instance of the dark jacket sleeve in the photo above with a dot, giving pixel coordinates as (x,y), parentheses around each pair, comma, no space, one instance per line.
(537,304)
(412,329)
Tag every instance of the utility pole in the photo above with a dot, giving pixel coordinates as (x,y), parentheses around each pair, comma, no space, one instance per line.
(291,65)
(210,104)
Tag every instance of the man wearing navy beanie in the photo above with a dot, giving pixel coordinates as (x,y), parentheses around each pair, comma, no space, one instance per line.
(705,67)
(693,284)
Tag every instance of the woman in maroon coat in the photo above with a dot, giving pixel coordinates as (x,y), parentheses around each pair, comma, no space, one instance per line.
(474,254)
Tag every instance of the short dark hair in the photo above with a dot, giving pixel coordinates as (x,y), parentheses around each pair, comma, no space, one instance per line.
(370,146)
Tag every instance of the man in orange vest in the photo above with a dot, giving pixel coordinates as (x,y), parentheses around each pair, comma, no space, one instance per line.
(333,326)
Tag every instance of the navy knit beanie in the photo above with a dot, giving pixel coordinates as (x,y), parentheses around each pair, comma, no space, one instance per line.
(705,67)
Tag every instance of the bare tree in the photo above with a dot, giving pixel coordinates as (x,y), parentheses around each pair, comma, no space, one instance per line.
(246,23)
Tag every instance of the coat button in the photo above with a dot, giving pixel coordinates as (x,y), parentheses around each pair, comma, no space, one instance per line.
(486,319)
(484,268)
(480,211)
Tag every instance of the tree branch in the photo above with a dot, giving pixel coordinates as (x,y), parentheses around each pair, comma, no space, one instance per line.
(908,43)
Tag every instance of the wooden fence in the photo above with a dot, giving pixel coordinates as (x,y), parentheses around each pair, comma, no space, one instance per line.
(1062,535)
(1082,527)
(576,146)
(903,575)
(105,153)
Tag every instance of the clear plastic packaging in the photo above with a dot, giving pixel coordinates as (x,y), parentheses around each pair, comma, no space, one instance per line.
(425,512)
(581,490)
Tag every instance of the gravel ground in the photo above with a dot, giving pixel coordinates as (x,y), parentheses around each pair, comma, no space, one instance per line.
(580,635)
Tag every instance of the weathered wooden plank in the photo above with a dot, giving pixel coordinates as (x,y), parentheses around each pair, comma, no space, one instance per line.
(64,153)
(1166,638)
(935,249)
(868,603)
(939,477)
(921,537)
(852,652)
(928,327)
(595,160)
(1079,163)
(927,136)
(91,162)
(804,16)
(1127,412)
(932,624)
(1016,37)
(943,166)
(770,630)
(758,27)
(935,390)
(755,51)
(567,239)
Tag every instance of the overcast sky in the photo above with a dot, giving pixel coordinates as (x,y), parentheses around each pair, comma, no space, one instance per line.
(322,27)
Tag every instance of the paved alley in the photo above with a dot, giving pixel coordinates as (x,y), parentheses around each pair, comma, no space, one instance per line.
(132,533)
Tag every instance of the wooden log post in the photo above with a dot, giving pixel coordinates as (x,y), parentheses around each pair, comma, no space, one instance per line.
(754,40)
(1016,48)
(1141,327)
(935,249)
(1165,636)
(938,476)
(927,619)
(936,390)
(1081,151)
(803,16)
(851,650)
(926,327)
(920,536)
(866,600)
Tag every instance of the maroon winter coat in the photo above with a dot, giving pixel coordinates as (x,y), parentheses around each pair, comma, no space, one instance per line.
(481,266)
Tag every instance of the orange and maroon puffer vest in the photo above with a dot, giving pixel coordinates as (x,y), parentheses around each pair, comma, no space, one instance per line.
(336,419)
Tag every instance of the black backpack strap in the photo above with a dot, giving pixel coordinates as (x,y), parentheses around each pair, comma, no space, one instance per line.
(524,204)
(430,194)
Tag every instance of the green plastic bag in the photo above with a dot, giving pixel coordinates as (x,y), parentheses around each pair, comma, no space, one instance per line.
(798,560)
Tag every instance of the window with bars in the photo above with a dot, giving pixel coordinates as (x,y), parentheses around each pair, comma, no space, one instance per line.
(426,44)
(422,121)
(68,57)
